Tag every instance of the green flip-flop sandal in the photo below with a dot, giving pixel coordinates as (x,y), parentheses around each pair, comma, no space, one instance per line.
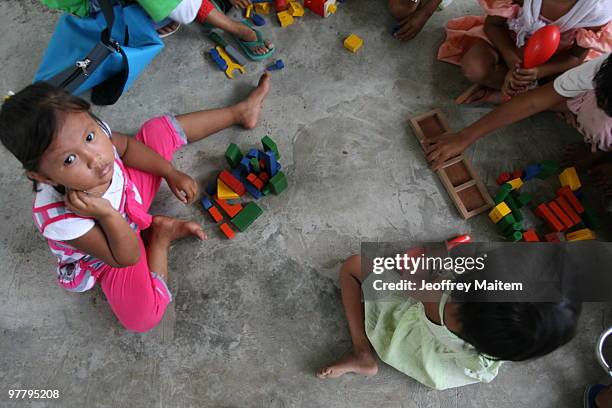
(247,46)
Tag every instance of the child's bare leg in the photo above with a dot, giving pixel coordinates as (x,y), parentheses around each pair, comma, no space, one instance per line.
(361,359)
(401,9)
(220,20)
(198,125)
(162,232)
(481,65)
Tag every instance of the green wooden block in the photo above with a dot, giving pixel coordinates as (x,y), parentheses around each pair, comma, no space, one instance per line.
(504,190)
(512,228)
(523,199)
(589,218)
(549,167)
(266,190)
(246,216)
(233,155)
(516,211)
(516,236)
(255,165)
(278,183)
(270,145)
(506,221)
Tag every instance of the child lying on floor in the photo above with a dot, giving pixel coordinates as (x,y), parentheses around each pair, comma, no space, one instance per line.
(490,49)
(445,344)
(93,189)
(583,95)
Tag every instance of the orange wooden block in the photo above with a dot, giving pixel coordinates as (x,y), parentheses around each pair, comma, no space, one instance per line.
(230,209)
(565,206)
(215,214)
(543,211)
(561,215)
(568,194)
(530,236)
(252,178)
(552,237)
(227,230)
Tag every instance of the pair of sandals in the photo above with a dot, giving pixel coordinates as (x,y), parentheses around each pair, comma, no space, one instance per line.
(246,46)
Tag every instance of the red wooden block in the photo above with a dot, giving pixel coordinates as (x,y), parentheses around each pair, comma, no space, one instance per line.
(530,236)
(565,206)
(543,211)
(263,176)
(503,177)
(262,165)
(255,181)
(215,214)
(568,194)
(562,216)
(232,182)
(227,230)
(230,209)
(552,237)
(516,174)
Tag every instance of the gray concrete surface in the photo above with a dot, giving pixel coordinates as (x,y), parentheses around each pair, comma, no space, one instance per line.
(253,318)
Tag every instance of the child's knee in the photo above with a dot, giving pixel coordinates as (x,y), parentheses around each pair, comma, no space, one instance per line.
(144,315)
(475,69)
(144,322)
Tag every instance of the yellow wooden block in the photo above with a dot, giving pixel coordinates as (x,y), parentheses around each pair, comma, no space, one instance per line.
(224,192)
(353,43)
(248,11)
(515,183)
(569,177)
(262,8)
(295,9)
(285,18)
(580,235)
(499,212)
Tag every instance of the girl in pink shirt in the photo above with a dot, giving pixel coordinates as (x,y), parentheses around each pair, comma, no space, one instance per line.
(93,189)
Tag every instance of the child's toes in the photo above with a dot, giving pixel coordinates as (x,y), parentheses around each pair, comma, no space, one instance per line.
(324,372)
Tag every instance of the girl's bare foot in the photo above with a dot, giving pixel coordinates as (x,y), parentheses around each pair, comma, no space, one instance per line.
(602,177)
(166,230)
(581,157)
(168,29)
(246,33)
(479,94)
(352,362)
(249,109)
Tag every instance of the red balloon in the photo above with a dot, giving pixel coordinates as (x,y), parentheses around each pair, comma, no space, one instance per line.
(541,46)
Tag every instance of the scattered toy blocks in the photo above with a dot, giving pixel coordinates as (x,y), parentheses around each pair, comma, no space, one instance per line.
(324,8)
(270,146)
(263,176)
(514,208)
(211,188)
(552,237)
(567,193)
(278,183)
(246,217)
(531,172)
(515,236)
(230,209)
(252,178)
(227,230)
(285,18)
(280,5)
(262,8)
(581,235)
(245,165)
(206,203)
(564,218)
(544,212)
(248,11)
(233,155)
(255,165)
(516,174)
(215,214)
(232,182)
(515,183)
(530,236)
(569,177)
(523,199)
(295,9)
(567,208)
(276,65)
(226,193)
(271,165)
(258,20)
(502,178)
(353,43)
(506,222)
(503,193)
(499,212)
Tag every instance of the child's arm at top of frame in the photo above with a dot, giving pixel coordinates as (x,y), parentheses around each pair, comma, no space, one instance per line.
(111,240)
(414,23)
(518,108)
(139,156)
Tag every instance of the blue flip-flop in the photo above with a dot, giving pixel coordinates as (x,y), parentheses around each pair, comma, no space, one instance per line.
(246,46)
(590,393)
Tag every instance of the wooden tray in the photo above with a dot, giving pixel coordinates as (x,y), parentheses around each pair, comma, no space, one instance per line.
(464,186)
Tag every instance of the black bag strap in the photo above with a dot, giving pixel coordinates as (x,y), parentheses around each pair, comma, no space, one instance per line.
(109,16)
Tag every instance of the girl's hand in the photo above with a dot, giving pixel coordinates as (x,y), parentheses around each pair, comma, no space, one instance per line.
(184,187)
(411,25)
(513,84)
(87,205)
(445,147)
(527,75)
(240,3)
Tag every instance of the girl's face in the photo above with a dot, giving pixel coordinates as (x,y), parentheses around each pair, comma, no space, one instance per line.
(80,157)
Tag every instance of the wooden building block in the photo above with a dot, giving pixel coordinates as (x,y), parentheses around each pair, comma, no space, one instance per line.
(215,214)
(499,212)
(553,222)
(581,235)
(567,208)
(464,186)
(246,217)
(552,237)
(569,177)
(232,182)
(227,230)
(568,194)
(515,183)
(230,209)
(224,192)
(561,215)
(530,236)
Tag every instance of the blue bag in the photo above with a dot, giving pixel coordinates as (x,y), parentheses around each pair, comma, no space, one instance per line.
(83,53)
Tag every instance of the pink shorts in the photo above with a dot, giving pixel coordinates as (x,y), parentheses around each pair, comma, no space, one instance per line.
(594,124)
(137,295)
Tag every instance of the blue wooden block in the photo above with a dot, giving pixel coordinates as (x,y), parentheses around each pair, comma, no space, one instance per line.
(245,165)
(252,153)
(254,192)
(272,166)
(531,171)
(258,20)
(206,203)
(211,188)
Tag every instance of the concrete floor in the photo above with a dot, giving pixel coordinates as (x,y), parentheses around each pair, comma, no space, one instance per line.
(253,318)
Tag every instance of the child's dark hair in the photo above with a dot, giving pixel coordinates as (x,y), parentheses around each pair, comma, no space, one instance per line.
(30,118)
(603,86)
(518,331)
